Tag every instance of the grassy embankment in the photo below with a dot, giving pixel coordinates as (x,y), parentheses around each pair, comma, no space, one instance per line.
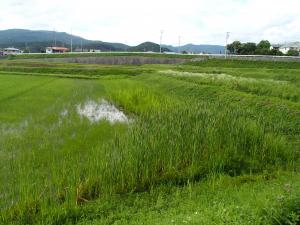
(68,55)
(210,143)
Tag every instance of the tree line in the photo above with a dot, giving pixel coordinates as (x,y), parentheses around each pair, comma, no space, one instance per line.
(262,48)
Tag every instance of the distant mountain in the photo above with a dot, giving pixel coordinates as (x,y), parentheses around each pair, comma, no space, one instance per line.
(38,40)
(148,47)
(212,49)
(35,41)
(21,35)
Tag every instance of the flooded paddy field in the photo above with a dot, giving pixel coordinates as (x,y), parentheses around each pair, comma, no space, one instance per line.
(212,142)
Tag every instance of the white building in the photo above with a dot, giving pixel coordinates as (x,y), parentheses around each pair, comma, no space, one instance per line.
(275,46)
(50,50)
(95,50)
(290,46)
(11,51)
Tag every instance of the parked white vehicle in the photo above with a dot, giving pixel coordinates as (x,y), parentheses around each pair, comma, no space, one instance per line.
(11,51)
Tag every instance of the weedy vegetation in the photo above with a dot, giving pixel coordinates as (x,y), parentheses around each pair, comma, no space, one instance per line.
(213,142)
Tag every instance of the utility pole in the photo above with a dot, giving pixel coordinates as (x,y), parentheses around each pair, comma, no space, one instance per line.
(126,50)
(227,37)
(161,35)
(179,44)
(71,40)
(27,48)
(54,32)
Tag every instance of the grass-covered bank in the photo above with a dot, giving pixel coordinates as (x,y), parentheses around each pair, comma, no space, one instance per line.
(263,199)
(202,137)
(71,55)
(254,200)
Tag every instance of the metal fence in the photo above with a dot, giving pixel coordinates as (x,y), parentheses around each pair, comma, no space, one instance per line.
(255,57)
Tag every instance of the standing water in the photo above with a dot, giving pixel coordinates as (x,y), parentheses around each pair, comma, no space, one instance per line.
(103,110)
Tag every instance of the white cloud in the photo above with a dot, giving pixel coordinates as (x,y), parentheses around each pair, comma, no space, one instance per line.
(135,21)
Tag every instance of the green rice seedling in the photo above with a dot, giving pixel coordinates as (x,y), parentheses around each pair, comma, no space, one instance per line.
(193,149)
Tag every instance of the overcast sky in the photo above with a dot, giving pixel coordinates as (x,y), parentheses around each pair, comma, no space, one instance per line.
(136,21)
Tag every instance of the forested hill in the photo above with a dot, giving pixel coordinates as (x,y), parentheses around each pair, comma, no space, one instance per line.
(35,41)
(148,47)
(38,40)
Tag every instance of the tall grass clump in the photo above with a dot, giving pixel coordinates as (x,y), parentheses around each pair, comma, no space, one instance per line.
(236,63)
(188,143)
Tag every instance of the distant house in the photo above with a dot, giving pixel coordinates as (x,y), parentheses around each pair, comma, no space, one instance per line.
(276,46)
(95,50)
(51,50)
(81,50)
(11,51)
(290,46)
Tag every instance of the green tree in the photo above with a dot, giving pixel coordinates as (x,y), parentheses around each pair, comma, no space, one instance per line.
(264,44)
(275,52)
(263,48)
(26,50)
(235,47)
(248,48)
(293,53)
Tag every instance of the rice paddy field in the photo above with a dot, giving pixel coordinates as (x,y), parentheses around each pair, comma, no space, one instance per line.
(213,142)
